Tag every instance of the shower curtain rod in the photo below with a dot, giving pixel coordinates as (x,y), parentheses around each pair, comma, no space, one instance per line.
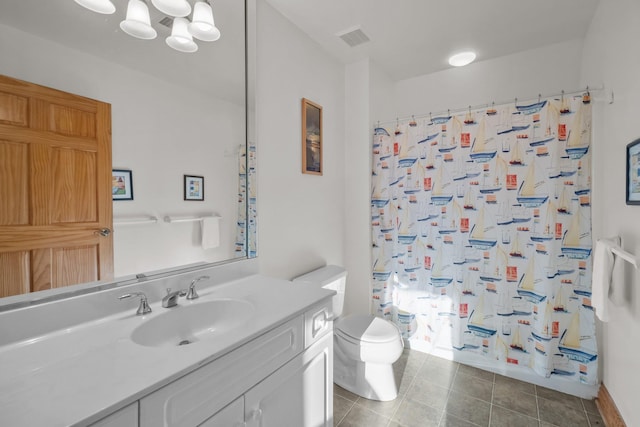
(481,106)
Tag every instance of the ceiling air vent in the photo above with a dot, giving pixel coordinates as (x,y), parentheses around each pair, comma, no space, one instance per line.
(353,37)
(167,22)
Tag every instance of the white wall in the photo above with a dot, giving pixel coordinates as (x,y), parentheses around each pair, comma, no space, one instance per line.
(160,131)
(546,70)
(611,58)
(357,216)
(300,216)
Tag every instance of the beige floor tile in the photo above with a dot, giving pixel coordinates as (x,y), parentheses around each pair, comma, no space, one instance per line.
(386,409)
(556,396)
(472,386)
(449,420)
(415,414)
(590,406)
(501,417)
(595,420)
(556,412)
(428,393)
(341,407)
(506,383)
(523,403)
(360,416)
(468,408)
(339,391)
(438,371)
(476,372)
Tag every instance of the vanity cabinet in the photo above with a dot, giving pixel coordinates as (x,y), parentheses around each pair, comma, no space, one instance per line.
(125,417)
(231,416)
(298,394)
(278,379)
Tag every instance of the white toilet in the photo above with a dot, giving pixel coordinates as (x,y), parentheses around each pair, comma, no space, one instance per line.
(365,346)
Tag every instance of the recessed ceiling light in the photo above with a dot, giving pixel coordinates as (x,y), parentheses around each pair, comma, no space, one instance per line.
(461,59)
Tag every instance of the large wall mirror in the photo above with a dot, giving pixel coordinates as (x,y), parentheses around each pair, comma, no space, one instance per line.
(173,114)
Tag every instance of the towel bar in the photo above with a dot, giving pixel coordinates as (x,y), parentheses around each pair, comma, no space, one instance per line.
(625,255)
(135,221)
(176,219)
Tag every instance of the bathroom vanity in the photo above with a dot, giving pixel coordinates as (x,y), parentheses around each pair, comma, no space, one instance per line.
(250,351)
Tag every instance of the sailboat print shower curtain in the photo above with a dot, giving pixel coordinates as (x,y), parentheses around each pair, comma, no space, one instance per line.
(481,228)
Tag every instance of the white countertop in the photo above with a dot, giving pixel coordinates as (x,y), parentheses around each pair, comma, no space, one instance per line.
(78,375)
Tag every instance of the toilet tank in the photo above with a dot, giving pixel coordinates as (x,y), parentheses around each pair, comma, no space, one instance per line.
(330,277)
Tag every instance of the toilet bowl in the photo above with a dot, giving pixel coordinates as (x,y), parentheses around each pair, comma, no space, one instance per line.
(365,346)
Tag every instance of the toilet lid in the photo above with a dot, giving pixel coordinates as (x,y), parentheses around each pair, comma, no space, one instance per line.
(367,328)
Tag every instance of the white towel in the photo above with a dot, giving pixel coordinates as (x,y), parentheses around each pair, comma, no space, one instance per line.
(210,232)
(603,265)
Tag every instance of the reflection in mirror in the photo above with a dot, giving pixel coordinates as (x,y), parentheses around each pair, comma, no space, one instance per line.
(172,114)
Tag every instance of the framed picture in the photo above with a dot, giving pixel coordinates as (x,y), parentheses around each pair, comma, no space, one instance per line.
(193,187)
(633,173)
(311,137)
(121,184)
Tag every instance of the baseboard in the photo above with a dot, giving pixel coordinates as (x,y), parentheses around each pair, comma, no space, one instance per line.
(608,410)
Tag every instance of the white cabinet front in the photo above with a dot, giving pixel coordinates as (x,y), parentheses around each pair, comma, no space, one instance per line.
(300,394)
(125,417)
(231,416)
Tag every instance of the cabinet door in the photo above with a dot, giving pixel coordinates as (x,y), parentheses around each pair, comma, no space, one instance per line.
(231,416)
(300,394)
(125,417)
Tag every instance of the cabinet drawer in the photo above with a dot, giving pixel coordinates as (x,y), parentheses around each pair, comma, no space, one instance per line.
(317,323)
(192,399)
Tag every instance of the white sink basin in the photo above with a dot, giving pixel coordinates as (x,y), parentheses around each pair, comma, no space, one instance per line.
(189,323)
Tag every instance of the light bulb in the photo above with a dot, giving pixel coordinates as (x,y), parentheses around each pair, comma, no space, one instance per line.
(178,8)
(202,25)
(461,59)
(138,23)
(100,6)
(180,38)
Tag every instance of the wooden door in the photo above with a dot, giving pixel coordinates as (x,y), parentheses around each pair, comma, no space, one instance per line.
(55,188)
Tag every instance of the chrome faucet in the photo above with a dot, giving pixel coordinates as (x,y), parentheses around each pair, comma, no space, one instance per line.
(171,298)
(143,308)
(192,287)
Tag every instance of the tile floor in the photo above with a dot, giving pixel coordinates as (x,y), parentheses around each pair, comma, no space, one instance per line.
(441,393)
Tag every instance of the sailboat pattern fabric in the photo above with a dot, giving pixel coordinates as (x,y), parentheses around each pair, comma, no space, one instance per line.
(481,228)
(246,203)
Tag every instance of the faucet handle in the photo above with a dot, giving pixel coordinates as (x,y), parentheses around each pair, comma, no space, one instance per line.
(192,287)
(143,308)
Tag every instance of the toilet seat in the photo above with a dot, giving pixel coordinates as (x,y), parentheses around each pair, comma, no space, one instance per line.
(366,329)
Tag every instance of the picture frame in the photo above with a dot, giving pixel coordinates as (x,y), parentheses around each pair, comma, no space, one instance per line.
(121,184)
(194,188)
(311,138)
(633,173)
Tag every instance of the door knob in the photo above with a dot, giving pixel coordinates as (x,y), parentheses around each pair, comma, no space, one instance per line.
(104,232)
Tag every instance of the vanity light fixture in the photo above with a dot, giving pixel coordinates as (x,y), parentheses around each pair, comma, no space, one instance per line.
(202,26)
(180,38)
(177,8)
(461,59)
(99,6)
(138,23)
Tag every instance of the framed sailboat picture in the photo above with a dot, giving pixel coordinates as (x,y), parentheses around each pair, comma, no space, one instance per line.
(311,137)
(633,173)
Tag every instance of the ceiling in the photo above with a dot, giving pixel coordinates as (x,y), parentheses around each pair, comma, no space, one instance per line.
(217,67)
(415,37)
